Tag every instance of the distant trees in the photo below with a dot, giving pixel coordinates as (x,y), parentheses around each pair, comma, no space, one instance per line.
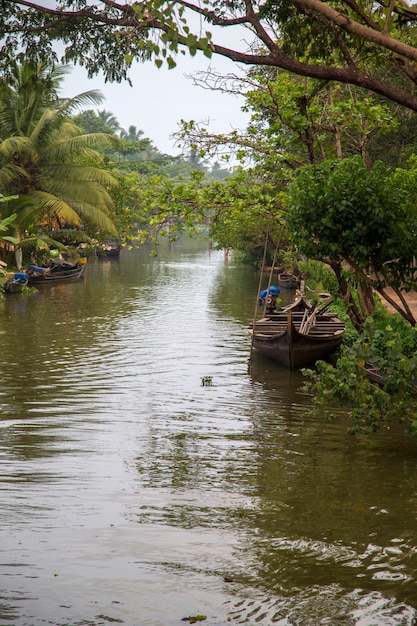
(97,122)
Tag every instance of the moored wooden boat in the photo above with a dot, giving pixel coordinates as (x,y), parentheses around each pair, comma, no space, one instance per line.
(373,374)
(110,248)
(287,280)
(295,339)
(54,273)
(299,305)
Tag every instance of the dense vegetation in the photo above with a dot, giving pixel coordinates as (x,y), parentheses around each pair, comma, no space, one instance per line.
(68,177)
(328,160)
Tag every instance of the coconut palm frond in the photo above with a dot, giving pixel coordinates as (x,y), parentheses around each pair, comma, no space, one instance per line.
(16,146)
(23,207)
(6,115)
(52,205)
(100,198)
(11,177)
(80,144)
(92,216)
(76,172)
(77,192)
(70,235)
(45,125)
(66,130)
(41,242)
(93,97)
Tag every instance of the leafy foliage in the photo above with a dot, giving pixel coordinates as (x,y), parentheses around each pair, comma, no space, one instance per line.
(340,209)
(390,347)
(368,44)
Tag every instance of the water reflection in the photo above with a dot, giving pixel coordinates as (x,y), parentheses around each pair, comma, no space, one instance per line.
(132,493)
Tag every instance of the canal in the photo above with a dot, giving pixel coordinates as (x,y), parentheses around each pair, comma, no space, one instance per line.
(132,493)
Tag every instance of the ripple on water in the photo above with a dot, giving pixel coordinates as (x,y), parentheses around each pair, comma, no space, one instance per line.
(132,493)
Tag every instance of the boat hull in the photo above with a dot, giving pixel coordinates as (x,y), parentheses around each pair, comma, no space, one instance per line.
(281,340)
(53,278)
(288,281)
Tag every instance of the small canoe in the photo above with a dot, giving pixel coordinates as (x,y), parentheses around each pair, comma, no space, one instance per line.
(286,280)
(110,249)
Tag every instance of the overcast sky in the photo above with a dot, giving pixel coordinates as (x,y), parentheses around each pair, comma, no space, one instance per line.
(160,98)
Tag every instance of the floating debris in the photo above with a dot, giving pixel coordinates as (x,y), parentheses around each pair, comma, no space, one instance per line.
(194,618)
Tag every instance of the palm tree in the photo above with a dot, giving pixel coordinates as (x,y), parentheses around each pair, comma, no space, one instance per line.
(133,134)
(101,122)
(5,224)
(46,159)
(108,121)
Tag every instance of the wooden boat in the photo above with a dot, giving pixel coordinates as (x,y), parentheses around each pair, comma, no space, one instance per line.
(16,283)
(110,248)
(299,305)
(294,338)
(54,273)
(373,374)
(286,280)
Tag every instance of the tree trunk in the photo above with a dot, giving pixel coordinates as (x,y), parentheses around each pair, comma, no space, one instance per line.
(18,253)
(366,298)
(338,141)
(355,315)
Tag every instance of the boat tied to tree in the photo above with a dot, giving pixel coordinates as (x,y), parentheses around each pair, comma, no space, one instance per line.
(298,334)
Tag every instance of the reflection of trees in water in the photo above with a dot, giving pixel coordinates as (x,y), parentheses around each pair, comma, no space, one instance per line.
(325,497)
(307,501)
(235,291)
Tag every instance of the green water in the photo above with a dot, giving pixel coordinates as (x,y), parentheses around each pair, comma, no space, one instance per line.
(132,493)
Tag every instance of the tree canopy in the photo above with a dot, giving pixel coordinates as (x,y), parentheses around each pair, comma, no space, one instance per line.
(339,210)
(361,42)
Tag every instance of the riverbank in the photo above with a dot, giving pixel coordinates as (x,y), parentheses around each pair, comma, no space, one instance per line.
(411,298)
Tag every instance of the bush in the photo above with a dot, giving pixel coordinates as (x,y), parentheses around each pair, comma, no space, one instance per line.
(389,345)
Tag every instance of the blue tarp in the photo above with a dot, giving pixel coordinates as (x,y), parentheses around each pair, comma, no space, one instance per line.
(37,269)
(20,276)
(274,291)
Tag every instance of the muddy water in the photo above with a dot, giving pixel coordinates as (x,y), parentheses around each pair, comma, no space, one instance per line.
(133,493)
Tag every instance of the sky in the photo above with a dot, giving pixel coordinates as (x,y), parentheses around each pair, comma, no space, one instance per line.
(160,98)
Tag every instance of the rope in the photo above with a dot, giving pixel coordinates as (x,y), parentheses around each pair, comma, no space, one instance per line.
(257,296)
(260,284)
(271,273)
